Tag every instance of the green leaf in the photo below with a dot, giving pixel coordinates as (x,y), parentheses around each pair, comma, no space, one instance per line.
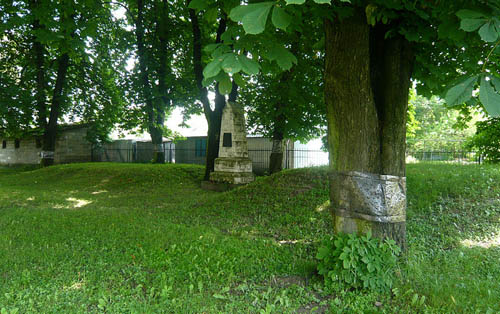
(322,252)
(213,68)
(198,4)
(287,61)
(211,47)
(323,1)
(488,32)
(211,15)
(239,12)
(370,268)
(469,14)
(280,18)
(461,92)
(254,22)
(470,25)
(239,80)
(249,66)
(489,98)
(283,57)
(346,264)
(207,81)
(225,85)
(252,16)
(295,1)
(496,82)
(231,64)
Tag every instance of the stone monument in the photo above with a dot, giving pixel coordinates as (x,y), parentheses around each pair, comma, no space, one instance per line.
(233,167)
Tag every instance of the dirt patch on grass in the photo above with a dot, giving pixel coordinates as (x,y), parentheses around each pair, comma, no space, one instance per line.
(287,281)
(313,307)
(301,189)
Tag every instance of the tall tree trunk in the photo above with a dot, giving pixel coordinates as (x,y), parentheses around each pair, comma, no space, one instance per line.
(214,120)
(367,80)
(162,102)
(154,109)
(214,117)
(50,132)
(39,50)
(41,100)
(276,158)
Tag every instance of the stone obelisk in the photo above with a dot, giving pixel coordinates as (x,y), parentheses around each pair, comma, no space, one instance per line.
(233,166)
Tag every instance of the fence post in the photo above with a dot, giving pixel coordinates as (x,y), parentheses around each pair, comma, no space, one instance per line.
(287,166)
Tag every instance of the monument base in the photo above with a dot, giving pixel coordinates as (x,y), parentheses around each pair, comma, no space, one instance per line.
(232,177)
(232,170)
(233,164)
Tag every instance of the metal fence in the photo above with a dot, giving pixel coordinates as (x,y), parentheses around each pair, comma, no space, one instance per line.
(292,158)
(260,157)
(461,157)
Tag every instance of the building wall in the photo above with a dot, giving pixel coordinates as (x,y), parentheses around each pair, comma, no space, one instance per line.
(71,146)
(26,154)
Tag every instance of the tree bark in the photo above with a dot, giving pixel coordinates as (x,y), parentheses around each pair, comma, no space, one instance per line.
(39,51)
(162,102)
(214,117)
(279,119)
(276,158)
(50,132)
(367,80)
(155,109)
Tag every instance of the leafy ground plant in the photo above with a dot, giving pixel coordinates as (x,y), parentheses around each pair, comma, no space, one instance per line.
(358,261)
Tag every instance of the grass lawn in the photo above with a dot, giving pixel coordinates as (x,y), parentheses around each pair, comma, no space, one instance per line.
(133,238)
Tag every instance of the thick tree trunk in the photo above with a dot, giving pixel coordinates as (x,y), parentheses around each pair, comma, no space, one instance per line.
(280,121)
(276,158)
(367,80)
(39,50)
(213,134)
(163,103)
(154,107)
(214,117)
(50,132)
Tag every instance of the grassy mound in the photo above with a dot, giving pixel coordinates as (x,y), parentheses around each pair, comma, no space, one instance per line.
(145,238)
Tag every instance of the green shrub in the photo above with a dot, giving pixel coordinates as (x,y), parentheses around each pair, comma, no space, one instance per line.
(360,262)
(487,139)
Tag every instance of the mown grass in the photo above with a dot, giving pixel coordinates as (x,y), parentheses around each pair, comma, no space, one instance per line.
(125,238)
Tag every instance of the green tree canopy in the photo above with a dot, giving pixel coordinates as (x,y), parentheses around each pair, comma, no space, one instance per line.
(58,59)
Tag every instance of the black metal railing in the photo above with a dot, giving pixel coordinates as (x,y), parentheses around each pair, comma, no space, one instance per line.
(461,157)
(292,158)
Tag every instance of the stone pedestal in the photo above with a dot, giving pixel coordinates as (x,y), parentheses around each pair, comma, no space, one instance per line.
(233,165)
(366,202)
